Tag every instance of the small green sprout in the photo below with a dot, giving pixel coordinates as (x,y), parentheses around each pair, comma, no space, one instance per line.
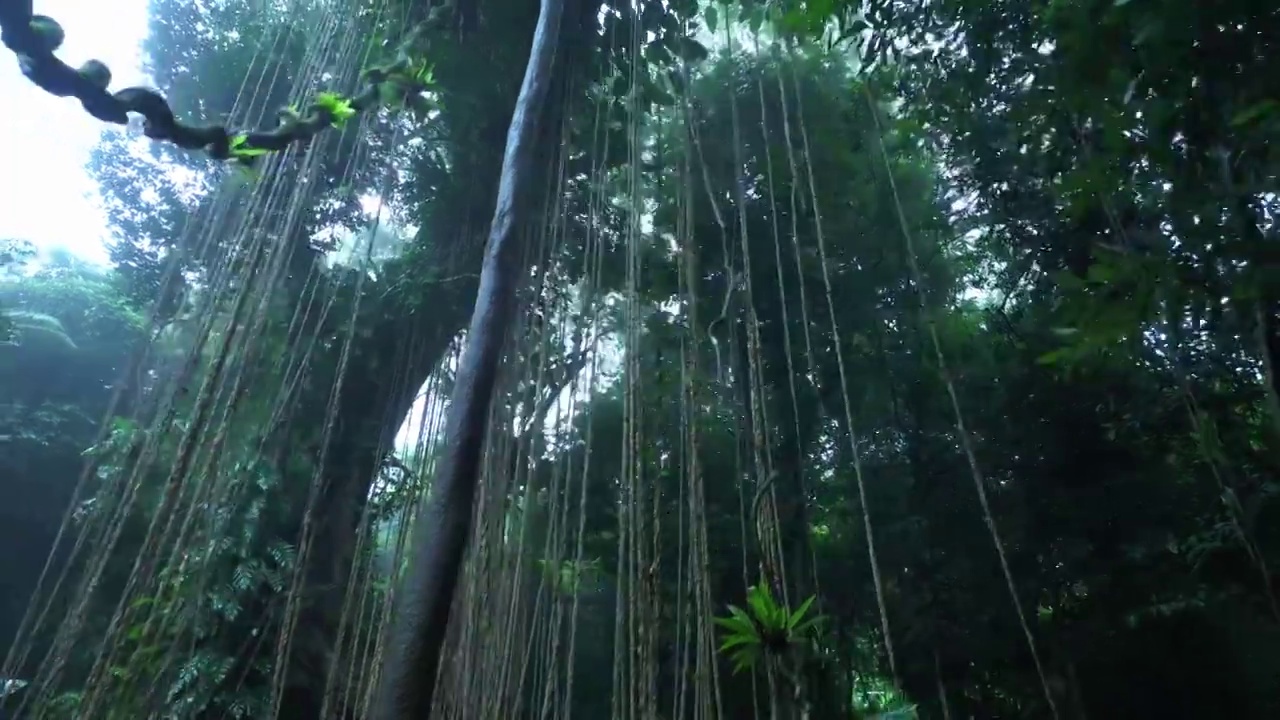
(338,107)
(424,75)
(240,148)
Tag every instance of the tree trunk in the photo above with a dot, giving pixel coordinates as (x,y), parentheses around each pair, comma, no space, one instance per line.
(371,408)
(443,526)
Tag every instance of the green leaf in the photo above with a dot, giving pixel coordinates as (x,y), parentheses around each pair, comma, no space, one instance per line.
(744,659)
(736,640)
(728,623)
(760,603)
(807,625)
(426,75)
(338,107)
(240,148)
(711,17)
(798,615)
(744,620)
(1254,113)
(738,622)
(1054,357)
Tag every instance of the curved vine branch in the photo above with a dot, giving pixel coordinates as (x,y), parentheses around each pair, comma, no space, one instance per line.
(34,38)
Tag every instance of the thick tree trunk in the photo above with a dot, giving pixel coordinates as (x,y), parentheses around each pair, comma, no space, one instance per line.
(371,410)
(442,529)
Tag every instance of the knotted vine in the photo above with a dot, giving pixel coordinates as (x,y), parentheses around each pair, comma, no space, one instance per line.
(35,38)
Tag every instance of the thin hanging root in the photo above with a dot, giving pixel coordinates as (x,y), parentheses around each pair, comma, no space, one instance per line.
(768,539)
(706,701)
(593,256)
(198,470)
(730,277)
(966,440)
(1232,503)
(782,305)
(868,526)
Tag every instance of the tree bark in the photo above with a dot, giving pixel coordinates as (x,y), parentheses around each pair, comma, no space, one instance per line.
(442,528)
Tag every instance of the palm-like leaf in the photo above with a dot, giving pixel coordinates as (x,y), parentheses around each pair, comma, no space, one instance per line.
(744,639)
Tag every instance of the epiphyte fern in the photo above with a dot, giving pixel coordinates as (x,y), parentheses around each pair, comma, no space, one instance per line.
(766,626)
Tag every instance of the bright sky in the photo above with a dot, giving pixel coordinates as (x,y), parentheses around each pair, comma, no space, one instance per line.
(46,196)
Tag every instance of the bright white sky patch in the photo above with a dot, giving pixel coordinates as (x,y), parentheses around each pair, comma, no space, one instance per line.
(46,195)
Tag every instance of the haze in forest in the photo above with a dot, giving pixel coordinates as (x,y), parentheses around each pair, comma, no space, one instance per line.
(49,199)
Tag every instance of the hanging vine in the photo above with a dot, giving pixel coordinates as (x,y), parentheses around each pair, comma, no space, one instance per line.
(35,38)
